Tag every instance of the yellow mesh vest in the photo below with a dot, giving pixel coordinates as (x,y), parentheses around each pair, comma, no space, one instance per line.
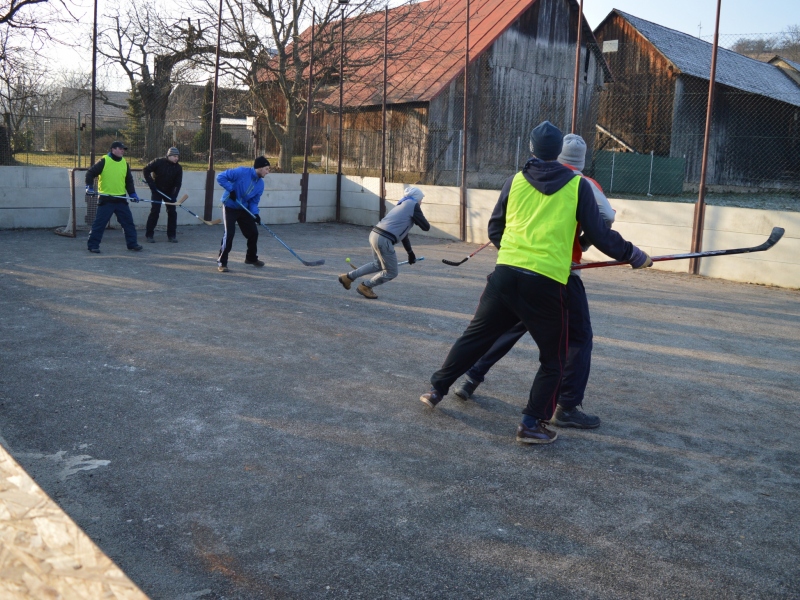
(540,229)
(111,182)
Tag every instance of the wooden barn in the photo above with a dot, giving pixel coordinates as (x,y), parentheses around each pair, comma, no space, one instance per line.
(657,103)
(521,72)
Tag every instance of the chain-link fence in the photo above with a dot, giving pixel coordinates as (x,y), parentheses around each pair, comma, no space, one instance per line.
(651,122)
(66,142)
(641,114)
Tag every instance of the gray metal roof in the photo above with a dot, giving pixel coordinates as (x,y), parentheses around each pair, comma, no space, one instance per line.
(692,56)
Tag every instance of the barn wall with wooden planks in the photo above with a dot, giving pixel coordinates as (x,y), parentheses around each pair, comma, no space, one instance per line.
(525,77)
(743,152)
(637,107)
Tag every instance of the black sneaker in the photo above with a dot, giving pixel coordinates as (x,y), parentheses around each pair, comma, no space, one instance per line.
(135,248)
(150,240)
(94,250)
(432,398)
(535,435)
(222,268)
(466,389)
(574,417)
(173,240)
(255,263)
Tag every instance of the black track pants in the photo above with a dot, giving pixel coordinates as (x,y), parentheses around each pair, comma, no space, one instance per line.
(511,296)
(249,227)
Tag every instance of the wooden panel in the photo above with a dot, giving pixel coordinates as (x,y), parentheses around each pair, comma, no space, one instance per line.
(44,553)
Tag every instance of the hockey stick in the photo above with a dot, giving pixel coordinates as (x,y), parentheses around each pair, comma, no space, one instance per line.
(454,263)
(405,262)
(774,237)
(180,203)
(308,263)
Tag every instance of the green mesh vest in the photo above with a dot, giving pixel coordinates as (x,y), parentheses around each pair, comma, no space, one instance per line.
(540,229)
(111,181)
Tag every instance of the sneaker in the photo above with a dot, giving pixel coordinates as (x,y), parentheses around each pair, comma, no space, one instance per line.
(366,291)
(535,435)
(574,417)
(135,248)
(432,398)
(345,281)
(150,240)
(222,268)
(255,263)
(466,389)
(95,250)
(173,240)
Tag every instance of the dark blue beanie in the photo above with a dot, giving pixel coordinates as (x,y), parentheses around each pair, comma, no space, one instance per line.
(546,141)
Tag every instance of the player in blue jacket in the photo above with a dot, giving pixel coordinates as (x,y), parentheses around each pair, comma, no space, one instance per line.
(245,185)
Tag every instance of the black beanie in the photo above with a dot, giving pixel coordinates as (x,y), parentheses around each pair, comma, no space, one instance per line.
(546,140)
(261,162)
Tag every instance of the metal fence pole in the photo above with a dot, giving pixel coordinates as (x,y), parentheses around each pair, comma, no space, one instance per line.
(304,179)
(573,128)
(209,199)
(700,207)
(382,206)
(650,183)
(464,130)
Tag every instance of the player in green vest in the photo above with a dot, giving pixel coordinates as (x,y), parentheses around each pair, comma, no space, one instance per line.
(533,226)
(114,182)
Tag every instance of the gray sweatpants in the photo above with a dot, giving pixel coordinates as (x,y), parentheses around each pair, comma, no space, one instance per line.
(384,260)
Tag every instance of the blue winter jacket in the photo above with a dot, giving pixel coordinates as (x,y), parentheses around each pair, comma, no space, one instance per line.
(247,185)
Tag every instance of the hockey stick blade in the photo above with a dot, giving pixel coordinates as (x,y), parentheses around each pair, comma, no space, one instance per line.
(774,238)
(454,263)
(405,262)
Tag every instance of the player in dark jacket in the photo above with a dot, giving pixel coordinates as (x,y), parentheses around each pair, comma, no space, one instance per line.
(533,226)
(393,228)
(164,176)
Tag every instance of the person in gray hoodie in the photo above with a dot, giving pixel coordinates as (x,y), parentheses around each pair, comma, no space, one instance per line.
(393,228)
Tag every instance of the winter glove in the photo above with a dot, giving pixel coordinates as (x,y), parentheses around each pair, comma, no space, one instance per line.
(134,197)
(90,191)
(412,258)
(258,219)
(232,195)
(585,242)
(640,259)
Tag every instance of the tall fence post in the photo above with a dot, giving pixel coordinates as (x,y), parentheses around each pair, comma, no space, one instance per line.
(463,218)
(382,205)
(573,127)
(304,178)
(700,207)
(209,199)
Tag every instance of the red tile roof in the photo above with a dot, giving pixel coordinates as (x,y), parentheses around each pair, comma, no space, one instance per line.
(426,48)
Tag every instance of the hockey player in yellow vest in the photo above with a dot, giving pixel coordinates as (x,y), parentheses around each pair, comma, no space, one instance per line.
(533,226)
(114,187)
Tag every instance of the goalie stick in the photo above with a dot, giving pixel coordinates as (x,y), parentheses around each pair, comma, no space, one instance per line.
(775,236)
(454,263)
(180,203)
(308,263)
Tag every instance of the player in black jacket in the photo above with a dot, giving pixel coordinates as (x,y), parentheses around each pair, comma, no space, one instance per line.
(164,175)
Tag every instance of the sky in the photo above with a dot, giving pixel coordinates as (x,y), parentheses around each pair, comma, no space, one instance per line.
(695,17)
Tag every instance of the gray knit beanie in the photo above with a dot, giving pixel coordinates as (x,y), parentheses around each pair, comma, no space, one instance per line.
(573,151)
(173,152)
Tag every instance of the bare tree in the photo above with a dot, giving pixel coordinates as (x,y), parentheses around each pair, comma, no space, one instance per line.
(272,39)
(141,37)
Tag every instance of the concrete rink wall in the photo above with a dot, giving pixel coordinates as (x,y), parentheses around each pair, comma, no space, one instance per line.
(38,197)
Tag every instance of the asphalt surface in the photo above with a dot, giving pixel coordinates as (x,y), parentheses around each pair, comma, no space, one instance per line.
(258,434)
